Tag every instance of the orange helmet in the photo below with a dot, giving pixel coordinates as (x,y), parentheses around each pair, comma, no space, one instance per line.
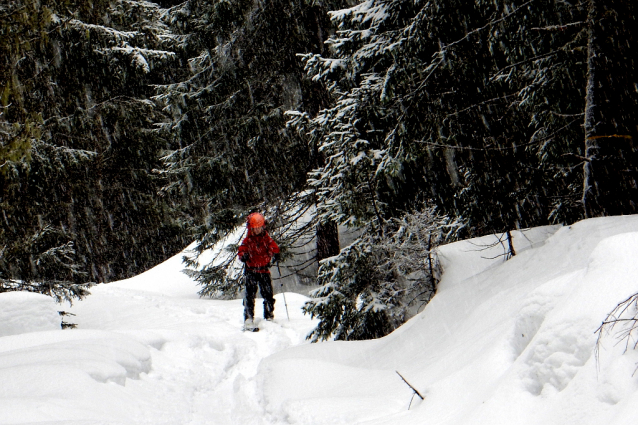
(255,220)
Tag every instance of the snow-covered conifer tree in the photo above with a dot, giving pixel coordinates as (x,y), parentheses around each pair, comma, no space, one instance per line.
(474,107)
(231,149)
(610,184)
(378,282)
(77,150)
(433,100)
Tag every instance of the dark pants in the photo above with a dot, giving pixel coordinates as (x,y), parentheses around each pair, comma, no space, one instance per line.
(261,280)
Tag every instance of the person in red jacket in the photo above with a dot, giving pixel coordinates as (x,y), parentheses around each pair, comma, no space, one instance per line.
(256,251)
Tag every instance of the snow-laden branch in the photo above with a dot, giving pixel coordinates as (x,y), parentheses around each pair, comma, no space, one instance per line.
(139,55)
(118,36)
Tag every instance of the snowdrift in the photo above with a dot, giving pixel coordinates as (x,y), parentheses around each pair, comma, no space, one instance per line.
(24,312)
(502,342)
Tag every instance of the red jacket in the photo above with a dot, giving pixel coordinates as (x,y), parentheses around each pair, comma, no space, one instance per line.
(260,249)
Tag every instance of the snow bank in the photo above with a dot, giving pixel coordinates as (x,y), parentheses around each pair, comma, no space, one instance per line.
(66,374)
(22,312)
(500,343)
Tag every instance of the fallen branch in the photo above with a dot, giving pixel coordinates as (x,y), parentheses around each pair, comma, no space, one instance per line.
(416,392)
(625,315)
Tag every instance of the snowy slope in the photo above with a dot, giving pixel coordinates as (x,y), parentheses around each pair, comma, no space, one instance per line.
(513,344)
(147,350)
(501,343)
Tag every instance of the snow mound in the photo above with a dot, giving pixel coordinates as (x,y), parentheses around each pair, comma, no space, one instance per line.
(502,342)
(22,312)
(46,375)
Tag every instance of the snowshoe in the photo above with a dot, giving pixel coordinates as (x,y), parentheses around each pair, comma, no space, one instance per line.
(249,326)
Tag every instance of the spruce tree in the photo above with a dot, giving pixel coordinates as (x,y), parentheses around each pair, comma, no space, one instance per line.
(450,102)
(378,282)
(75,84)
(471,106)
(611,129)
(232,152)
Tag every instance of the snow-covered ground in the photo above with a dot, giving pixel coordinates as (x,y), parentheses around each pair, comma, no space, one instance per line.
(501,343)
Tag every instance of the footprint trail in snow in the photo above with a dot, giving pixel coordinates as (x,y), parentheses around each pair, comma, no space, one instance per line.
(203,368)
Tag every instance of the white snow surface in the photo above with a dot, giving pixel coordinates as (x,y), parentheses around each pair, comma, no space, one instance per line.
(502,342)
(22,312)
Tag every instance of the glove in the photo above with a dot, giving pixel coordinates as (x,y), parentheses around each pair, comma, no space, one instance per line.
(276,258)
(244,257)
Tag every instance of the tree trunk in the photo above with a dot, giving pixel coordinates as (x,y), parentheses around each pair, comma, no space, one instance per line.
(611,166)
(327,240)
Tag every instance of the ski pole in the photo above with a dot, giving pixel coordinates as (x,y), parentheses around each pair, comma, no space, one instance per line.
(283,292)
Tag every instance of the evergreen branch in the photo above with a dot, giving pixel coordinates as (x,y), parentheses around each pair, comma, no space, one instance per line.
(476,105)
(551,135)
(117,35)
(514,65)
(307,264)
(441,53)
(131,100)
(12,12)
(559,27)
(489,25)
(580,114)
(499,148)
(464,148)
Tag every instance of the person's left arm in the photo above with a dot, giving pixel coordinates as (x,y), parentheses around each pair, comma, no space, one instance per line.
(274,250)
